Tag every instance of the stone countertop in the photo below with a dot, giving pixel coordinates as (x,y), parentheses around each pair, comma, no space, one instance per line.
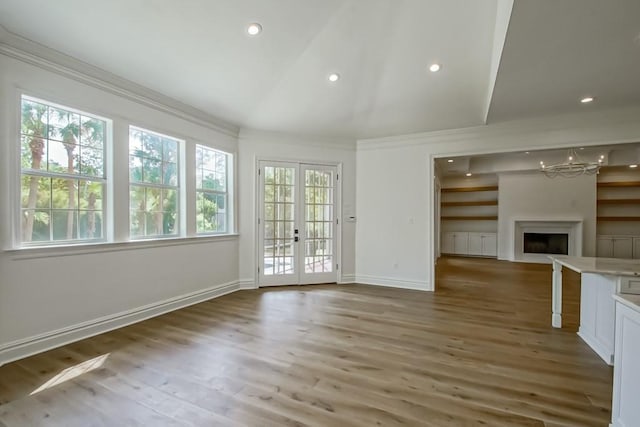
(631,301)
(613,266)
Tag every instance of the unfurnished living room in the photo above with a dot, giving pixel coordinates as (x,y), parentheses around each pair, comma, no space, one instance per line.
(319,213)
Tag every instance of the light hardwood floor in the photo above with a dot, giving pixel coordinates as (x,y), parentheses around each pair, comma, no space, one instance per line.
(479,351)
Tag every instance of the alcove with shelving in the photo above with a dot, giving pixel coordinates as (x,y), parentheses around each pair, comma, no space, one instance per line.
(469,216)
(618,218)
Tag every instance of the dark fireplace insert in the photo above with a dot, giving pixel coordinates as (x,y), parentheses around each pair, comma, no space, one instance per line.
(546,243)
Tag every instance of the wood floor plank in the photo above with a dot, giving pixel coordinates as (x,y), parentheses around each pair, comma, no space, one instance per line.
(478,351)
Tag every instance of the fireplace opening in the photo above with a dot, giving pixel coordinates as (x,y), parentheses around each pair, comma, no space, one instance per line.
(546,243)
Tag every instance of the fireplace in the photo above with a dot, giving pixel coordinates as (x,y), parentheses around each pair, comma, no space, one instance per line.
(546,243)
(535,239)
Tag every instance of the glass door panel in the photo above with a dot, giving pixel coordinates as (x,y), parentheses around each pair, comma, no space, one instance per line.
(297,224)
(319,224)
(278,214)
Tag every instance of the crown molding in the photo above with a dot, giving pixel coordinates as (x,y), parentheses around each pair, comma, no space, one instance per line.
(345,144)
(614,126)
(30,52)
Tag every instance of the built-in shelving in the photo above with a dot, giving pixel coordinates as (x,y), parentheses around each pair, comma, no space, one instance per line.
(469,189)
(471,209)
(470,218)
(474,203)
(626,184)
(619,202)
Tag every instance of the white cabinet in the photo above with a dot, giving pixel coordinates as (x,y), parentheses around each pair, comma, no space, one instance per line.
(456,243)
(636,248)
(616,246)
(469,243)
(461,243)
(490,244)
(475,244)
(597,313)
(625,411)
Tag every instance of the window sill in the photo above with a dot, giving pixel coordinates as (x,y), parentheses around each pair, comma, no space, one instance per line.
(34,252)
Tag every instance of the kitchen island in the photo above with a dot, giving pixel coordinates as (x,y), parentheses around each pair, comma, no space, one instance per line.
(601,279)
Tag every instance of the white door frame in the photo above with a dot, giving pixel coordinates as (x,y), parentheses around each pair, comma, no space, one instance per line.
(258,209)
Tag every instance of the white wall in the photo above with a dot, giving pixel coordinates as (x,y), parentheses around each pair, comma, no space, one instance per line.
(394,193)
(394,183)
(533,196)
(45,291)
(271,146)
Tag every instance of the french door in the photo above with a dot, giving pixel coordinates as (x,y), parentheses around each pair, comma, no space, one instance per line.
(297,223)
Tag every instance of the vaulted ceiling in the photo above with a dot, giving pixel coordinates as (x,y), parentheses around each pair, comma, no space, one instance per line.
(198,52)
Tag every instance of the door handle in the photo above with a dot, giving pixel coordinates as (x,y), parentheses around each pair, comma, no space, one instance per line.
(296,238)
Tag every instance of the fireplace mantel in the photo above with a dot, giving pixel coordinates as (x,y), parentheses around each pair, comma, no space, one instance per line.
(572,227)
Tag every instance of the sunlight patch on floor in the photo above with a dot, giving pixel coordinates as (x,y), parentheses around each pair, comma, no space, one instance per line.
(73,372)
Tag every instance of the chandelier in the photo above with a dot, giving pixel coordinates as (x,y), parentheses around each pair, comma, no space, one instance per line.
(573,167)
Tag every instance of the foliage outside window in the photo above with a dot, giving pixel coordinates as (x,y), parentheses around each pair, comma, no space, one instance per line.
(63,178)
(153,184)
(211,190)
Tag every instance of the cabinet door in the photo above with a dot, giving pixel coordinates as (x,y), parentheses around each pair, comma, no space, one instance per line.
(461,243)
(636,248)
(446,244)
(489,244)
(475,244)
(623,247)
(604,247)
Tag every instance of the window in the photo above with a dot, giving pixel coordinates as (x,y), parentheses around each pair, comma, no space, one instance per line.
(212,196)
(63,177)
(153,184)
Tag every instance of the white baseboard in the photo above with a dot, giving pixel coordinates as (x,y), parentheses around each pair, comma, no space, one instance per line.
(601,350)
(394,283)
(347,278)
(29,346)
(247,284)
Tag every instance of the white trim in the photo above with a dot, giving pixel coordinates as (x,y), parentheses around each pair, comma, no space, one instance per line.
(49,59)
(557,131)
(573,227)
(36,344)
(347,279)
(597,346)
(393,283)
(245,284)
(84,249)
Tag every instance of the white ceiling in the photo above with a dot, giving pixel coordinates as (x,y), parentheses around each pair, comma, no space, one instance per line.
(620,155)
(198,52)
(557,52)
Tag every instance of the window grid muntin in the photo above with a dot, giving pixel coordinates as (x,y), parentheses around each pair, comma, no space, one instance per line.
(98,144)
(219,192)
(319,216)
(279,198)
(139,217)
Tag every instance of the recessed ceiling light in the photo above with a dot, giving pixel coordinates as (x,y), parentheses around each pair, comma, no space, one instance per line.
(434,68)
(587,99)
(527,152)
(334,77)
(469,174)
(450,161)
(633,166)
(254,29)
